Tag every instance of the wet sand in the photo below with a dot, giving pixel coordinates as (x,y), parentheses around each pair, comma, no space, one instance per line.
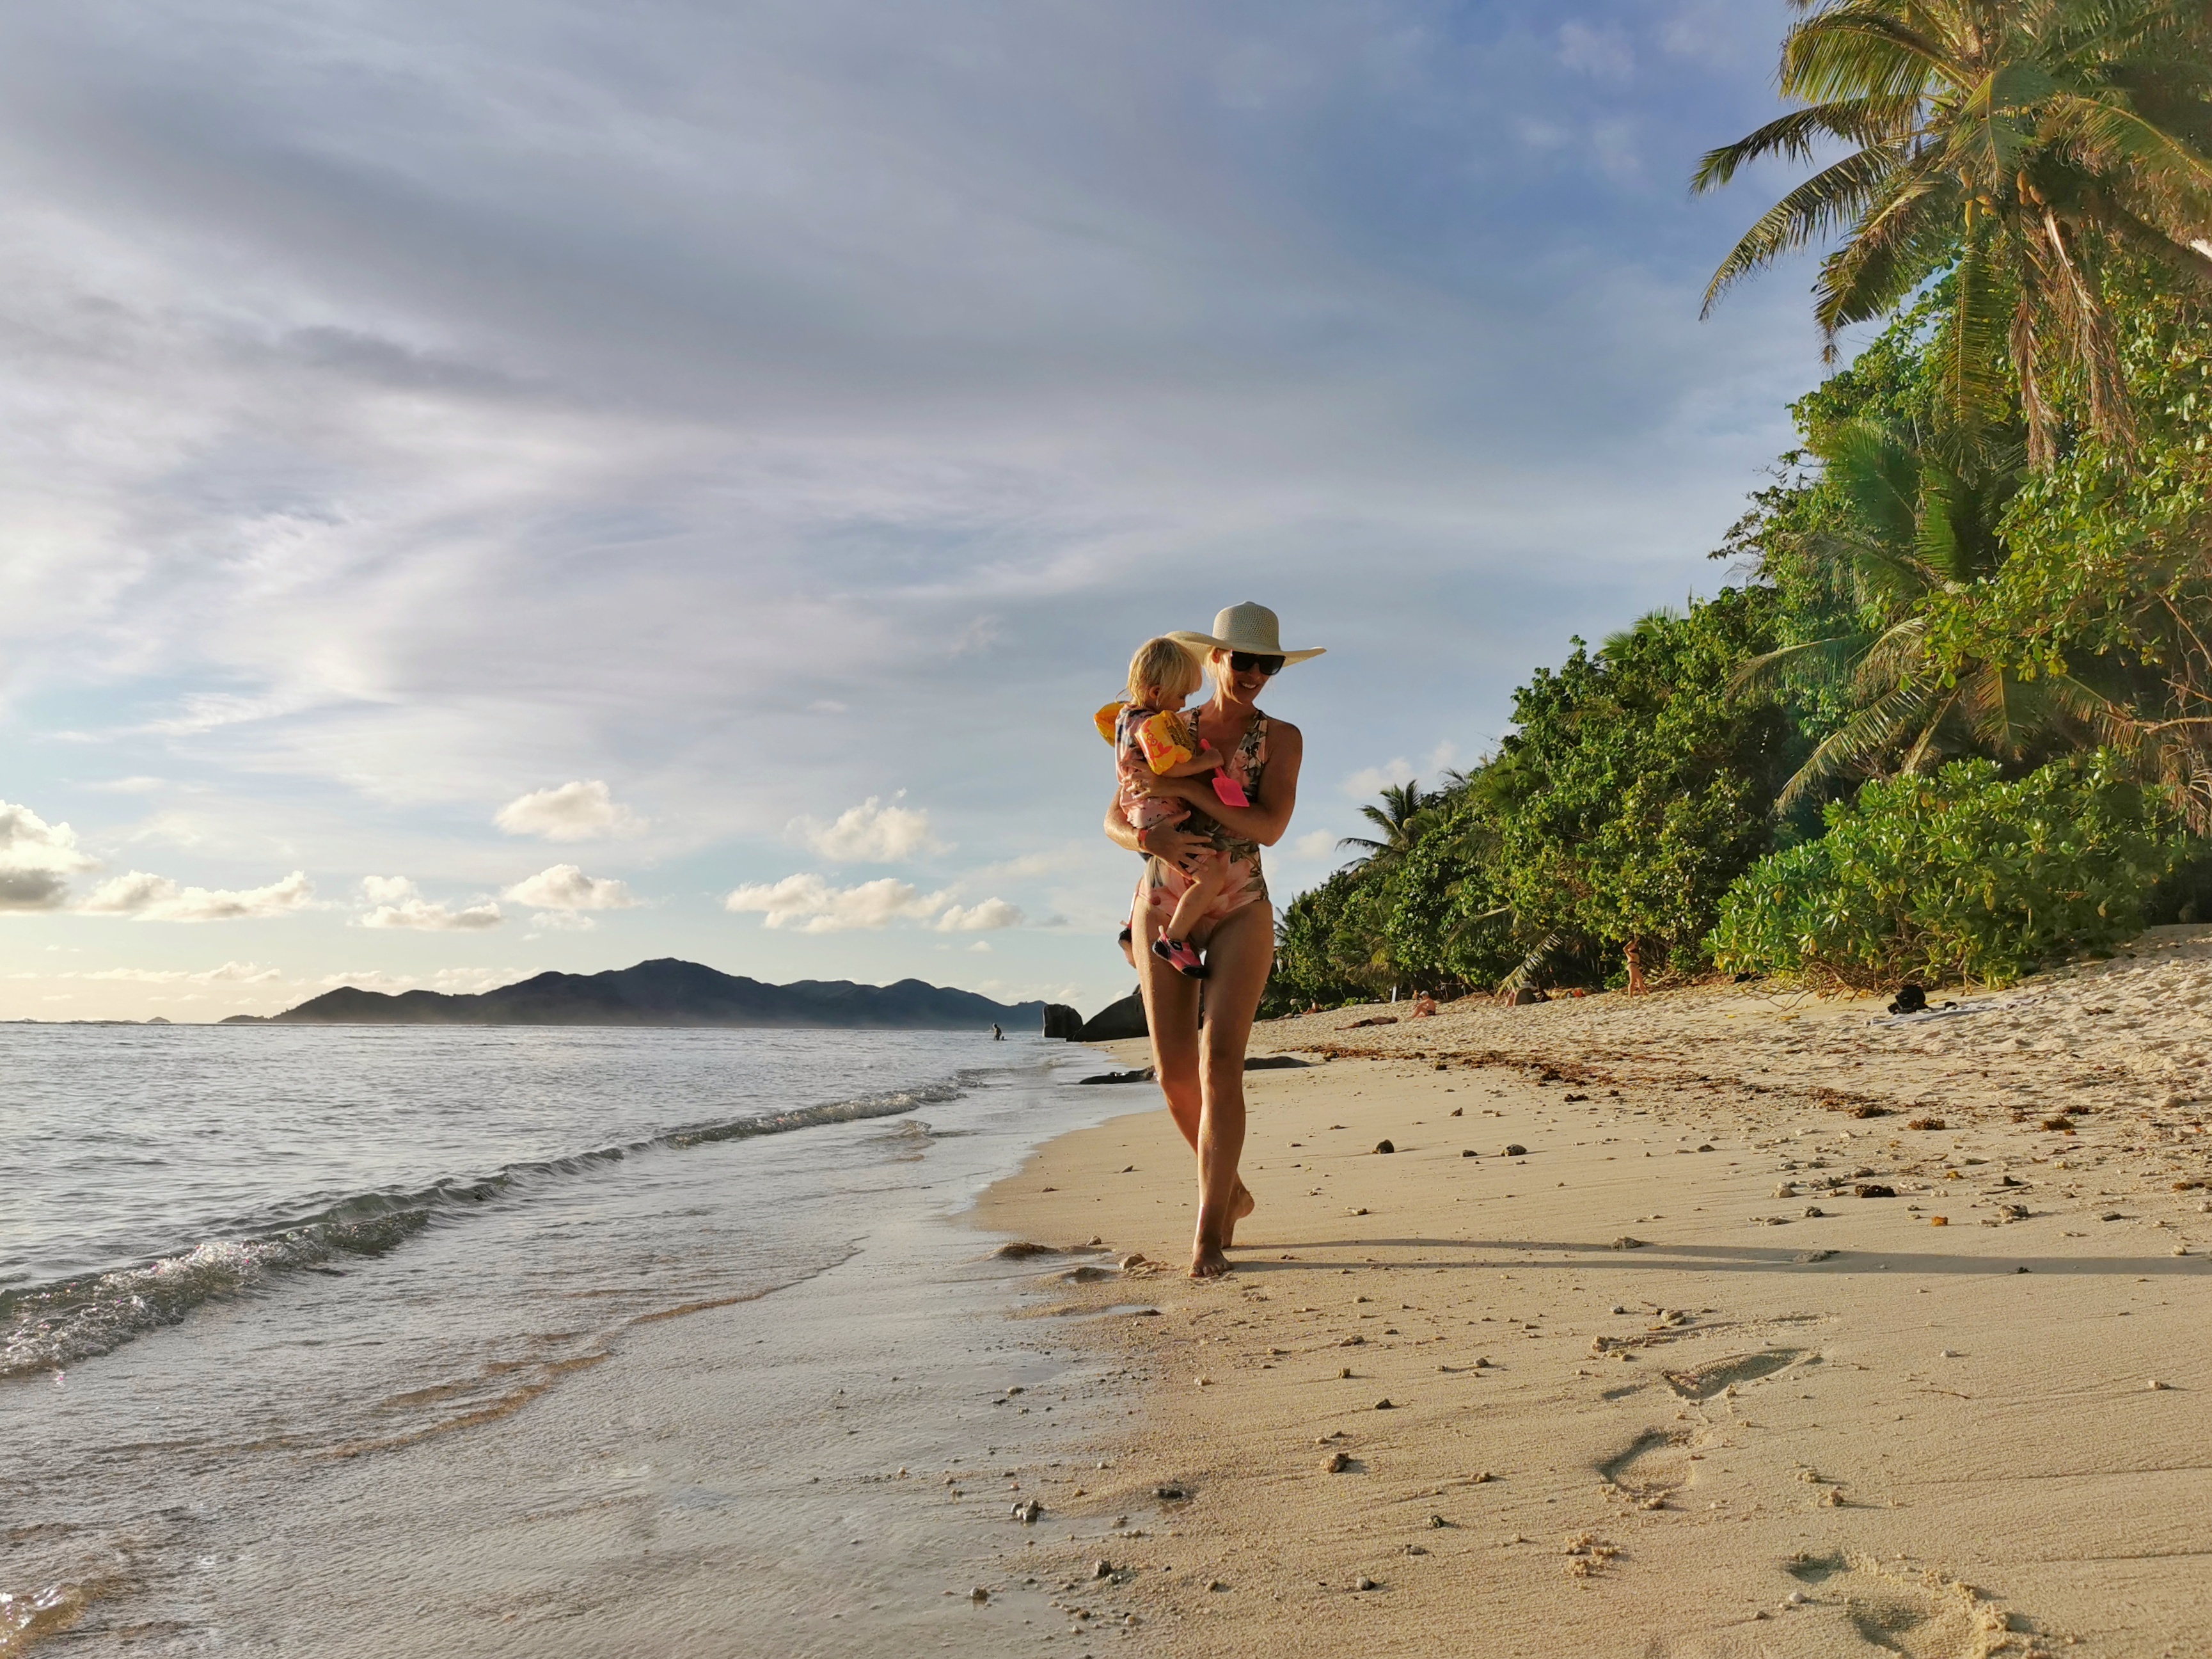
(1663,1383)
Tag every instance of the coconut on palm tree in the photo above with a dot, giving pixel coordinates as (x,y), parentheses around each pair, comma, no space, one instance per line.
(2021,142)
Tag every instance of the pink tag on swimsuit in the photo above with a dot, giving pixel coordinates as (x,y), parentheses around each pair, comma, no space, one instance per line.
(1231,792)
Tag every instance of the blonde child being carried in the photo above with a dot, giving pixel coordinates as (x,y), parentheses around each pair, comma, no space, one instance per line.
(1150,734)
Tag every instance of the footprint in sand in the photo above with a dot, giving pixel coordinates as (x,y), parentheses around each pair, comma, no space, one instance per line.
(1719,1374)
(1654,1465)
(1850,1606)
(1923,1615)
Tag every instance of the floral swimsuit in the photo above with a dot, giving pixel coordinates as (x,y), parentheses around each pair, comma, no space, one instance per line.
(1163,883)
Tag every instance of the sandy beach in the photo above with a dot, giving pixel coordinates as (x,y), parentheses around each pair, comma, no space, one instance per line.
(1723,1322)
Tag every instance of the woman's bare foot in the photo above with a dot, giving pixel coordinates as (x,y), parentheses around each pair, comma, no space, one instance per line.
(1206,1260)
(1242,1205)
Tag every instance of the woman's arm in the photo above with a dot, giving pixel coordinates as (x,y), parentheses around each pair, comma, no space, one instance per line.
(1265,819)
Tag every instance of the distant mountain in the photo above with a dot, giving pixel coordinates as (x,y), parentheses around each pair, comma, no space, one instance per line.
(667,993)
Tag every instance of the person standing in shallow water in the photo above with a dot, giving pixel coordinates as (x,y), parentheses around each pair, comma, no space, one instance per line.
(1200,1067)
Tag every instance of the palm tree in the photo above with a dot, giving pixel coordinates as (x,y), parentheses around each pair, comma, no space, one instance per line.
(1920,524)
(1398,819)
(2024,143)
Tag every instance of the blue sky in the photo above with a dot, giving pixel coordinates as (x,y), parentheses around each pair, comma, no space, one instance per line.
(483,486)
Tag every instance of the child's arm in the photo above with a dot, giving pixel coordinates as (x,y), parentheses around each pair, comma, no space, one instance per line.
(1173,749)
(1204,761)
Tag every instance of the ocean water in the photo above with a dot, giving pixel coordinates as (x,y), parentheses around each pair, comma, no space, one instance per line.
(393,1340)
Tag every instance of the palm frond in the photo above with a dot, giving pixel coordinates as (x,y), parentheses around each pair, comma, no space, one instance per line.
(1865,51)
(1797,135)
(1896,657)
(1823,204)
(1810,661)
(1853,747)
(1533,963)
(1895,247)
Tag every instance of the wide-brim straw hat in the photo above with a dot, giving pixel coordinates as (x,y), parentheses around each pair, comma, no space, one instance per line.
(1249,628)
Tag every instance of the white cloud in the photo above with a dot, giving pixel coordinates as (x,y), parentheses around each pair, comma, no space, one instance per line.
(559,921)
(1600,52)
(231,973)
(1055,860)
(988,917)
(574,811)
(871,833)
(1318,844)
(1712,32)
(809,904)
(1368,782)
(982,945)
(395,901)
(980,635)
(36,860)
(177,828)
(565,887)
(370,979)
(454,981)
(145,897)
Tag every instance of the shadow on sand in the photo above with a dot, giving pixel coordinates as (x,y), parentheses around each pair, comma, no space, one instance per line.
(1678,1258)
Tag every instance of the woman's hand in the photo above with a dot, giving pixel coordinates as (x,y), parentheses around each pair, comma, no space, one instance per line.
(1161,841)
(1174,846)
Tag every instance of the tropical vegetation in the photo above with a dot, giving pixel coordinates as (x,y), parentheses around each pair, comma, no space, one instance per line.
(1951,717)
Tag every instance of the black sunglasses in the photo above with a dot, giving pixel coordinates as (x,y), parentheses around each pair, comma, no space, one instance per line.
(1246,662)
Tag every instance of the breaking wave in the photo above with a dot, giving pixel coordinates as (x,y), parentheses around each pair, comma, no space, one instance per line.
(45,1327)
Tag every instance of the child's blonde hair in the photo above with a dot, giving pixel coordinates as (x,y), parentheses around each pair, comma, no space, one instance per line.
(1163,667)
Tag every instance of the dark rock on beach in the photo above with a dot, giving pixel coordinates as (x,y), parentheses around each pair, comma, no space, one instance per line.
(1061,1021)
(1116,1021)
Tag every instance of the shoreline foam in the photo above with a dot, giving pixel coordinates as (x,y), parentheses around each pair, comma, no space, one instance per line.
(1849,1432)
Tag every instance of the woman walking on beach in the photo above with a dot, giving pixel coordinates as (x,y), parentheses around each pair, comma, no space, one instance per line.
(1201,1069)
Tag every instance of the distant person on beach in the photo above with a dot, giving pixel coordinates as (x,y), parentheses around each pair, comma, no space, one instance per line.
(1201,1069)
(1153,737)
(997,1036)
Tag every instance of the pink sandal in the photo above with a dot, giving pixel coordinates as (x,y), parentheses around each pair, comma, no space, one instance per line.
(1180,955)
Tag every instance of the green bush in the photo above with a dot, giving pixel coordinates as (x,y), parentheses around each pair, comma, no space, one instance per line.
(1959,876)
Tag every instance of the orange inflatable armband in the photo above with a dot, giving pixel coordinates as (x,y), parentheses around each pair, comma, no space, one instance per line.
(1167,740)
(1108,718)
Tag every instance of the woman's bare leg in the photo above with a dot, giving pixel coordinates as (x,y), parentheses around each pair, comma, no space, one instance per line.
(1171,1015)
(1172,1018)
(1242,950)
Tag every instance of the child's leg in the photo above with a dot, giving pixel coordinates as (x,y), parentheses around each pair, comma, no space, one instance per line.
(1173,945)
(1210,877)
